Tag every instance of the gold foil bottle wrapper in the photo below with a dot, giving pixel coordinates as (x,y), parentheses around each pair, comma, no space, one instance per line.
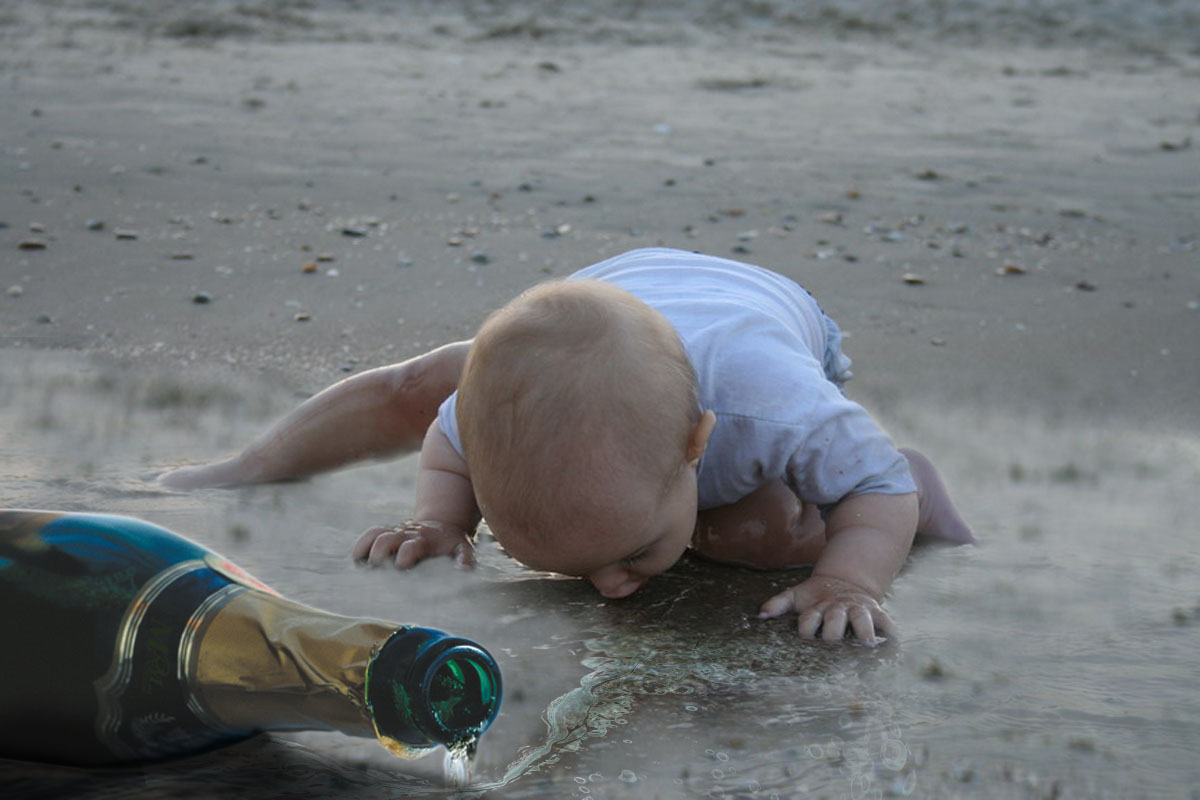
(269,663)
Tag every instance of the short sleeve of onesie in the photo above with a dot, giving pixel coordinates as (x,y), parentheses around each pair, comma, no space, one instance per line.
(758,342)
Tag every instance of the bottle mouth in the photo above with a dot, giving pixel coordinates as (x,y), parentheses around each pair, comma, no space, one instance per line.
(426,688)
(462,691)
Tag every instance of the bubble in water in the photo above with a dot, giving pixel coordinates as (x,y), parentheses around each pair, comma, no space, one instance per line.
(627,776)
(893,754)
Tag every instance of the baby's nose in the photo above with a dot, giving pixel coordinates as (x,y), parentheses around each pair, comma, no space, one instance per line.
(615,585)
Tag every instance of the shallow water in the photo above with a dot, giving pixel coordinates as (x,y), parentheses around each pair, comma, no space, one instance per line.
(1056,660)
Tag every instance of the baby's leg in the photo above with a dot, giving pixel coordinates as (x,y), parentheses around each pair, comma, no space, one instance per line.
(381,412)
(937,516)
(767,529)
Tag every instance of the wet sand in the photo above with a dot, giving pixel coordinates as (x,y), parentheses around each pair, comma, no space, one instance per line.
(213,222)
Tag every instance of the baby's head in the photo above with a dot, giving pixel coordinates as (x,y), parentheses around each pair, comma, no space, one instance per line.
(578,416)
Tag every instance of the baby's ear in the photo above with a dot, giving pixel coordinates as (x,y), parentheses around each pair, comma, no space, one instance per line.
(698,440)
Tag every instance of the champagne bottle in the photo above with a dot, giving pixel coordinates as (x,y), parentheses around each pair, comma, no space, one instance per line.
(123,642)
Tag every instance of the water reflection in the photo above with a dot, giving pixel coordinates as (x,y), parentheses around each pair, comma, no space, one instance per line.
(1055,660)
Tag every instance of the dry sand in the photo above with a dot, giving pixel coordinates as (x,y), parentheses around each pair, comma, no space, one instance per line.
(1046,197)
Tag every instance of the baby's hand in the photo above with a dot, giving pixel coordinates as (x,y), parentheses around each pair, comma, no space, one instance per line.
(409,544)
(832,606)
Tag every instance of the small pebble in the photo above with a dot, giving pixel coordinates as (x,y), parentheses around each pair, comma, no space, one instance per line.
(912,279)
(125,234)
(202,298)
(181,256)
(928,175)
(1086,286)
(480,257)
(44,319)
(15,291)
(309,267)
(354,231)
(302,316)
(1011,269)
(31,244)
(37,227)
(94,224)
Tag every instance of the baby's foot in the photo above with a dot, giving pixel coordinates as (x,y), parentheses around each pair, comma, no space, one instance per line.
(937,516)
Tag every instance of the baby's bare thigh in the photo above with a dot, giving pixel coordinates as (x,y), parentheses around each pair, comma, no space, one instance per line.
(767,529)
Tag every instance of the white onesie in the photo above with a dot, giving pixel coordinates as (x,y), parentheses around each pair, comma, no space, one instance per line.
(769,365)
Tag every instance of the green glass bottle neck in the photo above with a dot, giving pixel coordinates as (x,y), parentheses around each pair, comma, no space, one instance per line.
(425,688)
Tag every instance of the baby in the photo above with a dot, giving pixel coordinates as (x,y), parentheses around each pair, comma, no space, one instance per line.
(605,423)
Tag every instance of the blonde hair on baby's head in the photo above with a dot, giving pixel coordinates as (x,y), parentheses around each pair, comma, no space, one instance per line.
(570,385)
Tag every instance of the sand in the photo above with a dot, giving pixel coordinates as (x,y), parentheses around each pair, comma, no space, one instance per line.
(1045,197)
(1001,210)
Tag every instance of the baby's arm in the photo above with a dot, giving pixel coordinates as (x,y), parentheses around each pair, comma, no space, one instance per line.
(445,515)
(374,414)
(868,538)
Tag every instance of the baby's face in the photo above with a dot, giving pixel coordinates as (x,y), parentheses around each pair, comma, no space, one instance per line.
(622,552)
(625,559)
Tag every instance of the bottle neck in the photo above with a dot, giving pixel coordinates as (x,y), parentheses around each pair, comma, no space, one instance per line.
(266,663)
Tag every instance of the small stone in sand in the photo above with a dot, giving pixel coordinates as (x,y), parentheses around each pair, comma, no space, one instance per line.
(302,316)
(202,298)
(94,224)
(928,175)
(31,244)
(1011,269)
(480,257)
(309,267)
(912,279)
(124,234)
(37,227)
(354,231)
(15,291)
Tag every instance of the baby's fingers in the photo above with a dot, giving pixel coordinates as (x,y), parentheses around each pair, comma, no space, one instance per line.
(362,547)
(865,626)
(833,624)
(779,605)
(412,552)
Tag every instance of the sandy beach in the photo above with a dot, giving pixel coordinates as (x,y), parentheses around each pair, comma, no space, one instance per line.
(1001,210)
